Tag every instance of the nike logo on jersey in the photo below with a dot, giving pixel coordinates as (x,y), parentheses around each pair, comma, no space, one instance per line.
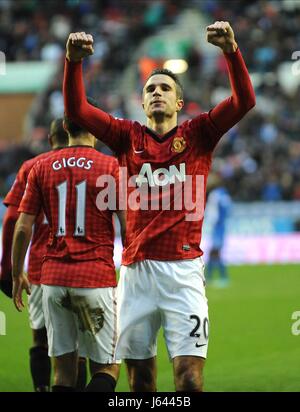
(138,151)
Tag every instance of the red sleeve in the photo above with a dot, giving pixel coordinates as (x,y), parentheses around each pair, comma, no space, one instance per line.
(212,125)
(31,202)
(113,132)
(14,196)
(230,111)
(9,221)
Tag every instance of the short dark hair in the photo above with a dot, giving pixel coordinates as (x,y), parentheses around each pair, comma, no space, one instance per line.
(73,128)
(58,132)
(167,72)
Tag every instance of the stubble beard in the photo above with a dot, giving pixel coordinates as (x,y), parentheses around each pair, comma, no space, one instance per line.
(159,116)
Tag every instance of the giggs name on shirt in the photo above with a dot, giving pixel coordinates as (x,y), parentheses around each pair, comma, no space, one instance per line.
(80,162)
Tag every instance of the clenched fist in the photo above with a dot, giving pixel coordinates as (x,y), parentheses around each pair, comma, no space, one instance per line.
(79,45)
(221,34)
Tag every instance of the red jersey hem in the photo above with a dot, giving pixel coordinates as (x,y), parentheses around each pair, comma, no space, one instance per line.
(33,281)
(79,285)
(130,261)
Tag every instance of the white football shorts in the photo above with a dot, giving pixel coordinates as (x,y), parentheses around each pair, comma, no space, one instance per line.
(170,294)
(35,308)
(83,319)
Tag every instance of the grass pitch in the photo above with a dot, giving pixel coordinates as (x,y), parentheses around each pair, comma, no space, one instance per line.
(251,347)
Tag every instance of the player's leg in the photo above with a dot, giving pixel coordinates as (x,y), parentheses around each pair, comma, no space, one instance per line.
(97,320)
(188,373)
(104,377)
(224,278)
(62,332)
(82,374)
(65,372)
(219,264)
(211,265)
(139,321)
(142,374)
(40,363)
(185,319)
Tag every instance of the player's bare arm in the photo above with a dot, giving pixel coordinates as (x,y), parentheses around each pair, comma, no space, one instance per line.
(79,45)
(22,236)
(8,225)
(221,34)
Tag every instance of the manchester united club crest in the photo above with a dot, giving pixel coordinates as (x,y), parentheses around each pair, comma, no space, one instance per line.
(178,145)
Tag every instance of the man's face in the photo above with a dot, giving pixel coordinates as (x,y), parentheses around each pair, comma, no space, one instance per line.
(160,97)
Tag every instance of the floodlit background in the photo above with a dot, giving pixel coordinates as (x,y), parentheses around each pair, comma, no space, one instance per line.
(253,346)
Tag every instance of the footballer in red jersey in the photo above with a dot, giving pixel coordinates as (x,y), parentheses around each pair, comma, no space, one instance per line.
(40,364)
(78,275)
(12,202)
(161,280)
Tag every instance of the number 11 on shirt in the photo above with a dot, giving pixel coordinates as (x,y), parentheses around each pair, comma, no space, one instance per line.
(80,208)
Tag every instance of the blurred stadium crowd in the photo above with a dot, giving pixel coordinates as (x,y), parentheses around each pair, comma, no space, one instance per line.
(259,159)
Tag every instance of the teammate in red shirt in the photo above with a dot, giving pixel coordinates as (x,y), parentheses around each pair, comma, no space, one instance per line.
(78,275)
(161,280)
(40,364)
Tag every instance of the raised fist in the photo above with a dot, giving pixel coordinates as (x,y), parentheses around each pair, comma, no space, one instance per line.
(79,45)
(221,34)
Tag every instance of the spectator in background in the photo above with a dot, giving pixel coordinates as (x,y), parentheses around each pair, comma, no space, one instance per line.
(218,208)
(271,190)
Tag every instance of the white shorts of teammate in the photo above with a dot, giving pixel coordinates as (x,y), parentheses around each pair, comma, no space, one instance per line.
(152,294)
(35,308)
(83,319)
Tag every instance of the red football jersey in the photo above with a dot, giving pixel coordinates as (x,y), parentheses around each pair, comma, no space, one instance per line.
(168,172)
(165,199)
(81,241)
(41,230)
